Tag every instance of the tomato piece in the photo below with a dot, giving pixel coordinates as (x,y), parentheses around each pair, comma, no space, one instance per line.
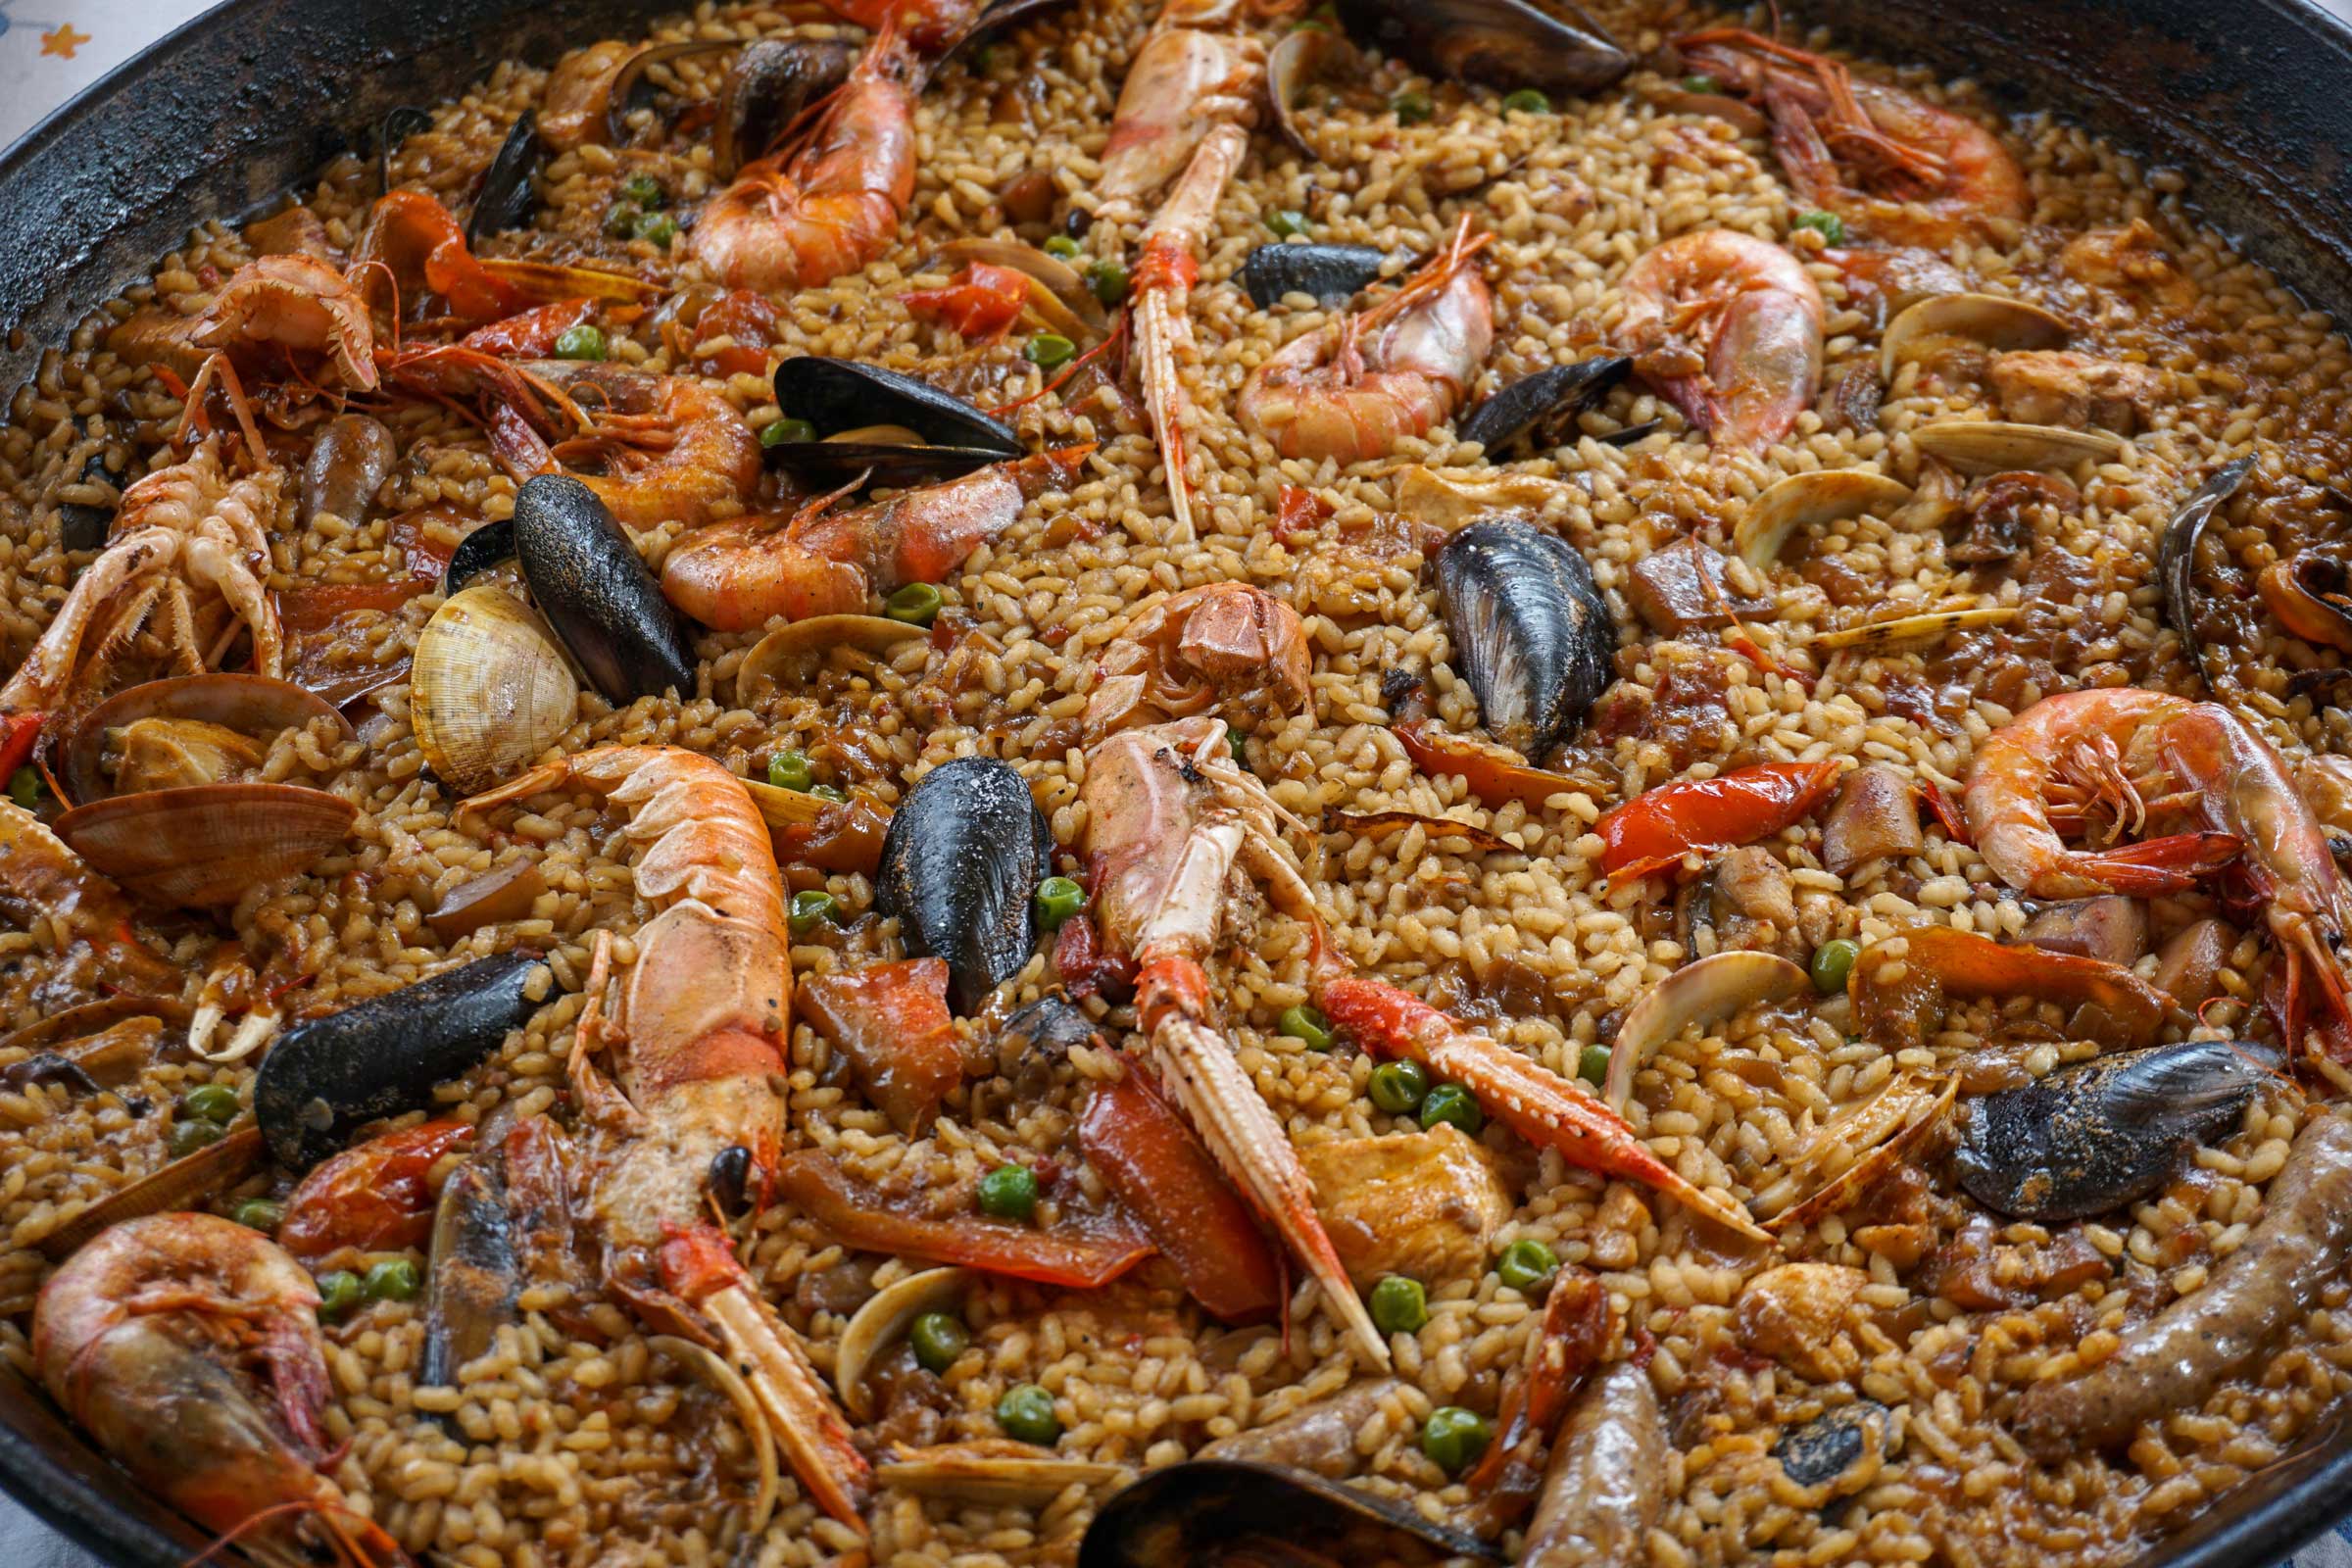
(1300,508)
(892,1021)
(1536,1392)
(533,334)
(750,321)
(374,1198)
(425,556)
(316,608)
(1658,828)
(981,301)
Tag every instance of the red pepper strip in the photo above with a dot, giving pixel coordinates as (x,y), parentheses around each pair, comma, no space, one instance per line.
(892,1021)
(1535,1397)
(982,301)
(1655,829)
(375,1197)
(861,1218)
(748,321)
(425,556)
(1491,777)
(315,609)
(1899,1007)
(533,334)
(1159,1173)
(1301,509)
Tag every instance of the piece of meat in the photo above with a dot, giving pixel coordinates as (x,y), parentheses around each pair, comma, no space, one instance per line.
(2060,386)
(1876,818)
(2130,260)
(1755,900)
(1425,1205)
(1606,1482)
(2111,928)
(1318,1437)
(1685,587)
(1796,1314)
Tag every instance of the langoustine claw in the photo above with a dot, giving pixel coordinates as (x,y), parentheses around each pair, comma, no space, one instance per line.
(1164,276)
(1193,77)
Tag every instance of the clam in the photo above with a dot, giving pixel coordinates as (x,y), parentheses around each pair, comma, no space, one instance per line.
(1530,630)
(990,1472)
(488,690)
(882,1323)
(1230,1511)
(1857,1146)
(1300,56)
(510,193)
(1705,993)
(381,1057)
(1544,405)
(1333,273)
(182,1183)
(929,435)
(184,730)
(1994,445)
(2087,1139)
(2311,595)
(1878,636)
(1447,497)
(1504,43)
(965,852)
(349,462)
(589,582)
(1059,297)
(1808,500)
(1996,321)
(2177,556)
(207,844)
(760,672)
(770,82)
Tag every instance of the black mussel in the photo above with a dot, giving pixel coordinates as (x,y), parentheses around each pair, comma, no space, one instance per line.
(961,863)
(767,86)
(1530,630)
(1632,433)
(80,525)
(1039,1038)
(326,1076)
(474,1276)
(2089,1139)
(994,19)
(1833,1442)
(588,580)
(1542,406)
(877,410)
(1333,273)
(2176,558)
(477,552)
(398,126)
(1210,1512)
(510,194)
(1504,43)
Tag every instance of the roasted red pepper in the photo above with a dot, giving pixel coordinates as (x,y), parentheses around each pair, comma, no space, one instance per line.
(892,1021)
(316,608)
(373,1197)
(1299,511)
(748,323)
(1492,777)
(1081,1253)
(982,301)
(1159,1173)
(1655,829)
(1535,1397)
(533,334)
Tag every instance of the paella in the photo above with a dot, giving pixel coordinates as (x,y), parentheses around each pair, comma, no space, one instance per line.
(1140,783)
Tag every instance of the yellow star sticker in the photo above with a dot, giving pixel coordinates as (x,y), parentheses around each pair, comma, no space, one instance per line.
(63,40)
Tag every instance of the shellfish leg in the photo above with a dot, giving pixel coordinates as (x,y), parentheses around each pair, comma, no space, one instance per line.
(1163,282)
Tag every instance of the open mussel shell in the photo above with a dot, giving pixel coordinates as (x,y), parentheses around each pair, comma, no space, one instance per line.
(632,87)
(588,580)
(1195,1514)
(1996,445)
(203,845)
(1530,630)
(994,19)
(81,526)
(250,704)
(488,690)
(1543,402)
(963,856)
(381,1057)
(1333,274)
(1504,43)
(883,1321)
(398,125)
(950,436)
(1993,320)
(2307,594)
(2087,1139)
(2177,556)
(186,1182)
(475,1277)
(1806,500)
(767,86)
(510,195)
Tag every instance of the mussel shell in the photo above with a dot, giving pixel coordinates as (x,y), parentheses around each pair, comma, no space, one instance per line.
(830,464)
(844,395)
(326,1076)
(993,20)
(475,1276)
(508,198)
(207,844)
(1530,630)
(1504,43)
(963,858)
(485,546)
(1180,1516)
(589,582)
(79,526)
(767,86)
(186,1182)
(2177,556)
(1546,399)
(398,125)
(2087,1139)
(488,690)
(631,89)
(1333,273)
(251,705)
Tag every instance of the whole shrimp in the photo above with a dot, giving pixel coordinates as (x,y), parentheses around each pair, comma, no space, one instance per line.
(2146,754)
(1727,327)
(670,448)
(810,214)
(188,1346)
(734,575)
(1225,645)
(1192,76)
(701,1022)
(1350,392)
(1893,167)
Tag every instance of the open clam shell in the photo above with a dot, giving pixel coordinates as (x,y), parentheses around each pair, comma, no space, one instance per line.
(182,1183)
(883,1321)
(207,844)
(762,672)
(488,690)
(1507,44)
(1877,636)
(1996,445)
(1806,500)
(249,704)
(1296,61)
(1993,320)
(1705,993)
(990,1474)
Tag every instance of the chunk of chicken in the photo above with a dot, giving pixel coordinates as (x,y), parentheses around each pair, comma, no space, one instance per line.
(1425,1205)
(2061,387)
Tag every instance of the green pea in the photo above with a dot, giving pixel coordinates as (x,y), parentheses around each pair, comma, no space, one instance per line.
(1526,1264)
(917,604)
(1109,280)
(1026,1414)
(25,787)
(789,770)
(1451,1103)
(1700,81)
(261,1214)
(656,228)
(393,1280)
(339,1290)
(938,1339)
(1828,225)
(1833,961)
(826,792)
(1308,1025)
(1233,743)
(643,189)
(812,907)
(1453,1438)
(1287,223)
(778,432)
(1048,350)
(1412,108)
(213,1103)
(621,220)
(1398,1087)
(1527,101)
(1058,898)
(188,1136)
(1592,1064)
(1061,245)
(580,343)
(1398,1305)
(1009,1192)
